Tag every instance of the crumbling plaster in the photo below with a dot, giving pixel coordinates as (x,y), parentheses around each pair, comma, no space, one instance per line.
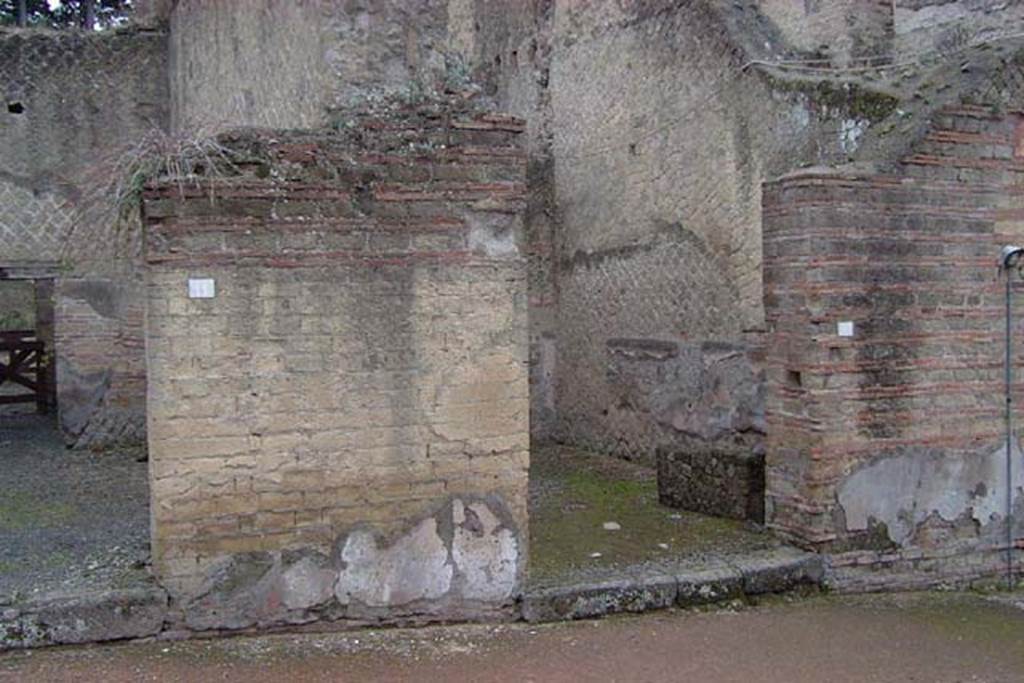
(466,558)
(902,492)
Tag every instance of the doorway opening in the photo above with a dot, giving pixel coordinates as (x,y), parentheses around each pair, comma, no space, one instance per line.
(71,521)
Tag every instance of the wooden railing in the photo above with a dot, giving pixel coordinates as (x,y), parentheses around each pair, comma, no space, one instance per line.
(23,364)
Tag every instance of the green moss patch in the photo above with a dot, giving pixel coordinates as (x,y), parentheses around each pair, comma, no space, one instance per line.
(855,99)
(21,510)
(573,495)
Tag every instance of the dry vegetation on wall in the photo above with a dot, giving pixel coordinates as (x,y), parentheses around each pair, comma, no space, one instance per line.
(185,159)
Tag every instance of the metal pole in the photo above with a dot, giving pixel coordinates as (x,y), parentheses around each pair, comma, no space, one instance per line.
(1009,434)
(1011,258)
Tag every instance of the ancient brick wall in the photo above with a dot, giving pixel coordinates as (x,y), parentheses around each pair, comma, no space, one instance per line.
(885,439)
(551,64)
(342,429)
(302,64)
(70,100)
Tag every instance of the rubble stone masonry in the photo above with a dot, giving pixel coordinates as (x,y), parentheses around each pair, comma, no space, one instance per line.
(341,430)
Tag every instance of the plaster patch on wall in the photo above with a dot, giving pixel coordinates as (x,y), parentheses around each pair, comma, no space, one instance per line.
(850,133)
(800,114)
(492,234)
(483,564)
(82,394)
(104,297)
(903,491)
(306,584)
(485,552)
(415,568)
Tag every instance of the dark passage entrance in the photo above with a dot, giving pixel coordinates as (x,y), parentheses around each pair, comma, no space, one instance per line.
(72,522)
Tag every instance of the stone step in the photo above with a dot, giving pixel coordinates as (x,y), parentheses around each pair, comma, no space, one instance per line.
(771,571)
(83,618)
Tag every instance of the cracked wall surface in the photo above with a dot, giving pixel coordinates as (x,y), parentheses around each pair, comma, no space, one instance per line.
(903,492)
(462,561)
(361,367)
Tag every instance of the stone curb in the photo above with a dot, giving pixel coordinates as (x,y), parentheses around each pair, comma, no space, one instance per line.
(142,612)
(775,571)
(89,618)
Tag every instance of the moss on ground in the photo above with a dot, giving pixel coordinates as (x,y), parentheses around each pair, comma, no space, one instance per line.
(574,494)
(20,510)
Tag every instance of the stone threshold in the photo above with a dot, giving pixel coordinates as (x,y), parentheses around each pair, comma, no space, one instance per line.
(142,612)
(637,589)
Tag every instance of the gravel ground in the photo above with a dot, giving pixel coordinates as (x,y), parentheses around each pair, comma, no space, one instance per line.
(928,637)
(70,521)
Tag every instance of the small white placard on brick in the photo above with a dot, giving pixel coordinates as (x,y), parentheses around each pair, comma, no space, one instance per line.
(201,288)
(845,328)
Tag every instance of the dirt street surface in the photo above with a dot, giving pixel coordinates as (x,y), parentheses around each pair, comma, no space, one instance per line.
(918,637)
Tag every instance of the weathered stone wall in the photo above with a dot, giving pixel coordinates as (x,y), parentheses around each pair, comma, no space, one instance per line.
(262,64)
(843,31)
(929,26)
(342,430)
(303,64)
(562,67)
(70,100)
(887,447)
(660,142)
(286,64)
(508,46)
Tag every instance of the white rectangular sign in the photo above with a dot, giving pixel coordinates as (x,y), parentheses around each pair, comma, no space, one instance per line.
(201,288)
(845,328)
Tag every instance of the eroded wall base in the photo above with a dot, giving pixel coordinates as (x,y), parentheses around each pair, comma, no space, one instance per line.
(461,562)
